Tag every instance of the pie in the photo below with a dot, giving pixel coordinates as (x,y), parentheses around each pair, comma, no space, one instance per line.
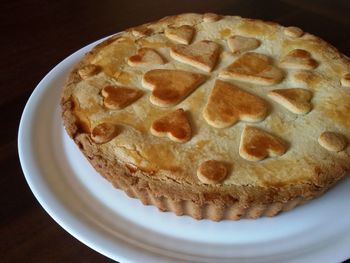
(215,117)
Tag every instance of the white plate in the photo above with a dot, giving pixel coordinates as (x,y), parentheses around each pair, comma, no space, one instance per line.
(105,219)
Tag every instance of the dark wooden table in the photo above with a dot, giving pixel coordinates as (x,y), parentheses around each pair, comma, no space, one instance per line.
(38,34)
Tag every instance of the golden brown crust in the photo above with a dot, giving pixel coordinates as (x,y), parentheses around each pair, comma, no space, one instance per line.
(293,31)
(146,57)
(169,87)
(254,68)
(104,132)
(228,104)
(299,59)
(332,141)
(295,99)
(175,125)
(257,144)
(202,55)
(116,97)
(154,175)
(182,34)
(345,80)
(239,44)
(211,172)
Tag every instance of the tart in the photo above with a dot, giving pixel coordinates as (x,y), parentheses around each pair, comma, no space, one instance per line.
(215,117)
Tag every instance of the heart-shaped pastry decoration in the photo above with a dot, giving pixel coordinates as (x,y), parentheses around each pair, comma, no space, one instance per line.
(89,70)
(345,80)
(202,55)
(293,31)
(332,141)
(104,132)
(211,17)
(169,87)
(295,99)
(182,34)
(212,172)
(141,31)
(118,97)
(254,68)
(228,104)
(298,59)
(175,125)
(239,44)
(257,144)
(146,57)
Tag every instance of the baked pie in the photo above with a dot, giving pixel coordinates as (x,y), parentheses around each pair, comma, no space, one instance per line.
(216,117)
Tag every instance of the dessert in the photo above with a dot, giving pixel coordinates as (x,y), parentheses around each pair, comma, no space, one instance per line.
(211,116)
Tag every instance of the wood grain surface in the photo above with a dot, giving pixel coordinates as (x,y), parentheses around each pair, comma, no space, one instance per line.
(36,35)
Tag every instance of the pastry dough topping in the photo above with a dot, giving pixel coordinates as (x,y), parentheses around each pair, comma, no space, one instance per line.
(254,68)
(298,59)
(293,31)
(257,144)
(175,125)
(295,99)
(239,44)
(104,132)
(202,55)
(182,34)
(169,87)
(141,31)
(229,104)
(211,17)
(332,141)
(88,71)
(212,172)
(146,57)
(117,97)
(345,80)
